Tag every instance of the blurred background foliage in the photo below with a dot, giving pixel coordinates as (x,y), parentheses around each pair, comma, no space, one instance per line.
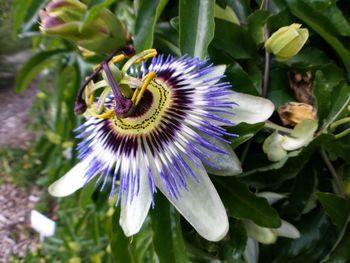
(314,180)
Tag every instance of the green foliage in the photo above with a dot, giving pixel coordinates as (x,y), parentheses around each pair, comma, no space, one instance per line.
(88,227)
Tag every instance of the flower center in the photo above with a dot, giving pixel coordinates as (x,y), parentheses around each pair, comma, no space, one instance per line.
(148,113)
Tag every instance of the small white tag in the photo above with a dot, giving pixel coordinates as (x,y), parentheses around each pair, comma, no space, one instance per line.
(42,224)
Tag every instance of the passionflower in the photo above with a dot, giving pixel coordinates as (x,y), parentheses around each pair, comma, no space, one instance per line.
(160,124)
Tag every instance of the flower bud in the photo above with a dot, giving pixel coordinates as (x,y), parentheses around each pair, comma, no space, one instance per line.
(287,41)
(63,18)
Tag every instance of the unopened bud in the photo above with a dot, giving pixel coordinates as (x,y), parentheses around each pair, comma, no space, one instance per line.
(63,18)
(287,41)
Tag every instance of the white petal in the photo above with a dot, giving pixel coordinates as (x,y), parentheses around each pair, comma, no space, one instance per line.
(261,234)
(272,147)
(251,252)
(134,214)
(200,205)
(301,135)
(250,109)
(288,230)
(271,197)
(71,181)
(215,73)
(228,164)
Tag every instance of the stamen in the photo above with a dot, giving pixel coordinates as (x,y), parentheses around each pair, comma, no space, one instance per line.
(80,105)
(144,55)
(148,78)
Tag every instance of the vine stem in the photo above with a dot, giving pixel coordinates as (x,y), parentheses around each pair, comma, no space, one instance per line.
(333,172)
(267,56)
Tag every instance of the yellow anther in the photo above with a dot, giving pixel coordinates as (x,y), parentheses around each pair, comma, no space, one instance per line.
(114,60)
(148,78)
(117,58)
(105,115)
(149,53)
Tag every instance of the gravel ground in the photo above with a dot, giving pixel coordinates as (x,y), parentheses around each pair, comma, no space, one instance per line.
(15,202)
(16,235)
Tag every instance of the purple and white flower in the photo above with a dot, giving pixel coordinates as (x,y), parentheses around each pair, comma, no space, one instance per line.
(170,140)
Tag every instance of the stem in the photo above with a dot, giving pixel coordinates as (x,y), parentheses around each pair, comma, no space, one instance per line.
(273,126)
(333,172)
(339,122)
(342,134)
(267,55)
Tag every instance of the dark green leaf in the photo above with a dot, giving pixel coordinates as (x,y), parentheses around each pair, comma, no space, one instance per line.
(241,8)
(337,208)
(233,40)
(118,241)
(308,58)
(339,100)
(33,66)
(317,237)
(323,26)
(167,234)
(148,14)
(341,253)
(322,92)
(245,132)
(243,204)
(256,22)
(196,26)
(93,11)
(241,81)
(279,91)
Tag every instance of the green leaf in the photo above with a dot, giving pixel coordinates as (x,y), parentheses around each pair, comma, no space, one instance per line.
(33,66)
(323,26)
(196,26)
(341,253)
(308,58)
(167,234)
(118,241)
(243,204)
(316,240)
(93,11)
(26,17)
(336,207)
(322,92)
(148,14)
(340,100)
(226,14)
(256,22)
(241,81)
(233,40)
(245,132)
(87,192)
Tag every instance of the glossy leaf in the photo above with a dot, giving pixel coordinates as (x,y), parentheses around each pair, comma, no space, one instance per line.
(233,40)
(118,242)
(167,234)
(196,26)
(243,204)
(33,66)
(337,208)
(149,12)
(320,24)
(245,132)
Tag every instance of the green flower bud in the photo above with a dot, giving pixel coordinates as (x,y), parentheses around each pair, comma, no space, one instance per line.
(64,18)
(287,41)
